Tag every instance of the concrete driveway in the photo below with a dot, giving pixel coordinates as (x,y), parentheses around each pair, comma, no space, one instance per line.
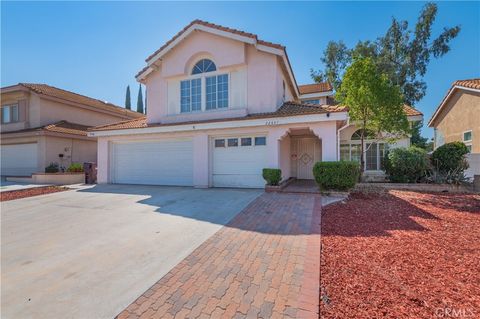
(89,253)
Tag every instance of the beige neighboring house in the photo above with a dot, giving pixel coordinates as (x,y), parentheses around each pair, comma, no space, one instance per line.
(41,124)
(457,118)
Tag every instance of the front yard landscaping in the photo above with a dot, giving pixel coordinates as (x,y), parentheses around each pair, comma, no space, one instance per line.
(401,254)
(29,192)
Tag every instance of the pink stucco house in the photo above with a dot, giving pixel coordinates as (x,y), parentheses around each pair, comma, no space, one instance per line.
(223,105)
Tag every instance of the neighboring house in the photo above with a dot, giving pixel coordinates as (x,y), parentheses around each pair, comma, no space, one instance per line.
(223,105)
(457,118)
(41,124)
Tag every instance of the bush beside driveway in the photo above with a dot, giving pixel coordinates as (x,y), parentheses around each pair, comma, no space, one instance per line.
(401,254)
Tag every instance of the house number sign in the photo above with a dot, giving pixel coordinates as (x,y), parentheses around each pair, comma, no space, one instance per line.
(272,122)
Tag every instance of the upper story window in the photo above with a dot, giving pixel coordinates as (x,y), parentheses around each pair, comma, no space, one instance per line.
(204,65)
(312,101)
(214,96)
(10,113)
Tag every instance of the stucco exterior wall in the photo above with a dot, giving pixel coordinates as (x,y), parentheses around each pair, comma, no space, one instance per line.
(278,144)
(255,79)
(460,114)
(73,150)
(52,111)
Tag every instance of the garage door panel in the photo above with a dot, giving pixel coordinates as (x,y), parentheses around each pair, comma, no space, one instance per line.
(167,162)
(19,159)
(239,166)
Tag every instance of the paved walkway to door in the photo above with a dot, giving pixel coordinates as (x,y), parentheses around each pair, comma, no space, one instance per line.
(264,263)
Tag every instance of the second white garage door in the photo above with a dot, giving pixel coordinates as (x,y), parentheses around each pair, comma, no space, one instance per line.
(239,161)
(166,162)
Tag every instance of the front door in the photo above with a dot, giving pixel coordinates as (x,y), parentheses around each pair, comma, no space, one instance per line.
(308,153)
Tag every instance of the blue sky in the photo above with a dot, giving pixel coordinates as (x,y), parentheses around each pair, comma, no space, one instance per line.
(96,48)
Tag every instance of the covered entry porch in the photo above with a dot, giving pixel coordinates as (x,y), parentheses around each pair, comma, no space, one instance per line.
(296,149)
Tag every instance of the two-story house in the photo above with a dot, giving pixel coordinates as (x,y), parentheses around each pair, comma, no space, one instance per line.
(457,118)
(223,105)
(41,124)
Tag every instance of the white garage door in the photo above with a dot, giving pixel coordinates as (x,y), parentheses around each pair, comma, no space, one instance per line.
(238,161)
(19,159)
(166,162)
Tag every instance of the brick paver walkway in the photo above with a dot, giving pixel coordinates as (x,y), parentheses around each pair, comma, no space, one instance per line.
(265,263)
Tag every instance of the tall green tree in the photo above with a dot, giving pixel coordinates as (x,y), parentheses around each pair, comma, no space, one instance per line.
(374,103)
(401,54)
(128,100)
(140,100)
(416,138)
(146,100)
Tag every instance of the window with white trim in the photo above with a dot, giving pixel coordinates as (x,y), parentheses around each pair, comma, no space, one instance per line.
(216,89)
(374,152)
(10,113)
(467,140)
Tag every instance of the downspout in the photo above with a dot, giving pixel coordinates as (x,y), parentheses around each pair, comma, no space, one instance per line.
(338,137)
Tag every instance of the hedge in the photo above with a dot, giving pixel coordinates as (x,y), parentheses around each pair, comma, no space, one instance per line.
(406,165)
(450,157)
(341,175)
(273,176)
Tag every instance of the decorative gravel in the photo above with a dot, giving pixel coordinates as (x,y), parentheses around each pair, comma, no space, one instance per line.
(401,254)
(29,192)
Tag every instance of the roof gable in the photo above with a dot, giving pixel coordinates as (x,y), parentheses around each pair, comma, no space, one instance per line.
(219,30)
(468,85)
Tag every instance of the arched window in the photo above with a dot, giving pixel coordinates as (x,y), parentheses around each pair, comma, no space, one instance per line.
(204,65)
(357,135)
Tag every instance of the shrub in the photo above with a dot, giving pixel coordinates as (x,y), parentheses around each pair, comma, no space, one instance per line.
(52,168)
(341,175)
(273,176)
(75,167)
(450,157)
(406,165)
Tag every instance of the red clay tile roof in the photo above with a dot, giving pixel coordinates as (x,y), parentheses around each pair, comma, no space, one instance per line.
(287,109)
(315,88)
(410,111)
(63,127)
(469,84)
(218,27)
(67,128)
(51,91)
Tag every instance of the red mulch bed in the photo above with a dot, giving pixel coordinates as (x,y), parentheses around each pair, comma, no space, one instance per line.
(401,254)
(29,192)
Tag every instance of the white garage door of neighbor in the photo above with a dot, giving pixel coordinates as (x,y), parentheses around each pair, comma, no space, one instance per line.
(238,161)
(166,162)
(19,159)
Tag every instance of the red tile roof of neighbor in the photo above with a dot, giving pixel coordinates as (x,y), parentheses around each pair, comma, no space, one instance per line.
(469,84)
(55,92)
(63,127)
(315,88)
